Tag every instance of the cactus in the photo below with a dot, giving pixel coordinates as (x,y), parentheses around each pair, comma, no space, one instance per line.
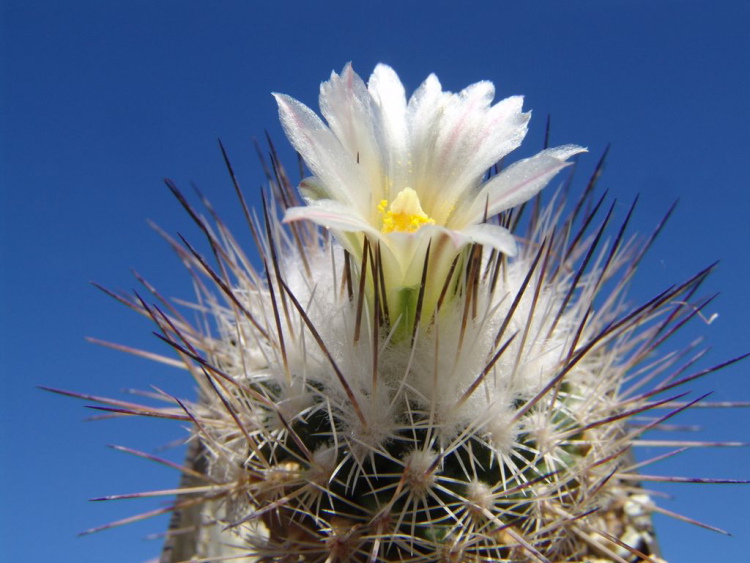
(409,382)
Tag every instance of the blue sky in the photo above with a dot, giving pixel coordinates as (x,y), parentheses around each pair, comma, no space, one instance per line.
(101,100)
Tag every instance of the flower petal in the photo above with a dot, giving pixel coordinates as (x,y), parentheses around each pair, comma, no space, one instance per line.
(455,145)
(330,214)
(324,154)
(389,110)
(517,184)
(494,236)
(346,105)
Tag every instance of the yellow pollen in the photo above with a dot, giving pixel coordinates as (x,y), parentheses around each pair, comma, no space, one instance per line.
(405,214)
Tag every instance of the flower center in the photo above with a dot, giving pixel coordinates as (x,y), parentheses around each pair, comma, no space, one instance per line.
(404,214)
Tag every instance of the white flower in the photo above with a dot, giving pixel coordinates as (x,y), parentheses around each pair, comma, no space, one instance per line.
(410,173)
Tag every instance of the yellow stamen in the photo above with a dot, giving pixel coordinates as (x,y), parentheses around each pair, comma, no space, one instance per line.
(405,214)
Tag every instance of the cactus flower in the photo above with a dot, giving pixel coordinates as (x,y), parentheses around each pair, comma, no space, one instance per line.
(408,174)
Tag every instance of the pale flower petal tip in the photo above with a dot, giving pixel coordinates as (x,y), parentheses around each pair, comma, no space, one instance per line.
(564,152)
(493,236)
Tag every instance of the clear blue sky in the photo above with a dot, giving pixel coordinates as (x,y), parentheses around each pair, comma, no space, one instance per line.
(102,99)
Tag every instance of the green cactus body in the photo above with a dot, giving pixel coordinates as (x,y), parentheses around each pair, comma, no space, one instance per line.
(421,386)
(499,432)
